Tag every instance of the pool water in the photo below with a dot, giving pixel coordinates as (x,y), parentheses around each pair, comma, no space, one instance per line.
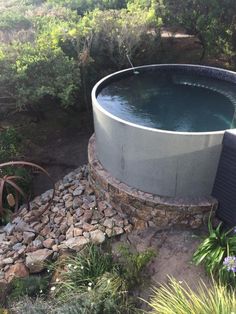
(172,101)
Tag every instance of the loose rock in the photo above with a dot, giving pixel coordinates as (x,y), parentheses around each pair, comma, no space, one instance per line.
(18,270)
(36,261)
(75,244)
(97,236)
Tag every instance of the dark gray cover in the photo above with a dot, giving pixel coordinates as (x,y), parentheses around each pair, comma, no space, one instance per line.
(224,189)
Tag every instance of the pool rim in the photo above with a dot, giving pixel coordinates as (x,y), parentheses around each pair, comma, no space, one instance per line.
(96,103)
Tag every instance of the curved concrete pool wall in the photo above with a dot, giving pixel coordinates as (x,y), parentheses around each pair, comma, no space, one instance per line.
(165,163)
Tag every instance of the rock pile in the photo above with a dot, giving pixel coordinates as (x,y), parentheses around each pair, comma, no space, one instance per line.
(75,218)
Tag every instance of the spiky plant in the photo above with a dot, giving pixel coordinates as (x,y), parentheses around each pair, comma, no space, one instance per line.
(179,298)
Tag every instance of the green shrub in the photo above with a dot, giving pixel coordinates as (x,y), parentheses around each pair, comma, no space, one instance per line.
(14,20)
(28,305)
(213,250)
(10,144)
(31,286)
(176,298)
(132,265)
(83,6)
(10,149)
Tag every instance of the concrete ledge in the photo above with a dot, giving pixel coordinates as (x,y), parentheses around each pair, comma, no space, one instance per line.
(142,208)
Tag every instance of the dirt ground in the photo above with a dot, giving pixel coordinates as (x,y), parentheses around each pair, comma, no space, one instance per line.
(58,141)
(174,250)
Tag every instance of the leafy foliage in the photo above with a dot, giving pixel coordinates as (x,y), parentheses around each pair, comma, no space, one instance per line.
(83,6)
(31,286)
(10,144)
(60,54)
(133,264)
(213,250)
(14,20)
(176,298)
(211,21)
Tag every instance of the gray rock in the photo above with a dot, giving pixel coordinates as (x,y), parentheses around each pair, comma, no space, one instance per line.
(79,212)
(109,232)
(118,230)
(78,191)
(37,244)
(23,226)
(7,261)
(48,243)
(108,223)
(61,187)
(75,243)
(46,196)
(76,203)
(78,232)
(36,261)
(97,236)
(28,237)
(18,246)
(2,236)
(58,220)
(9,228)
(109,212)
(68,204)
(70,232)
(2,275)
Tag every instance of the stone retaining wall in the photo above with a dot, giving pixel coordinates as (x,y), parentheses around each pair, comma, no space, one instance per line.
(145,209)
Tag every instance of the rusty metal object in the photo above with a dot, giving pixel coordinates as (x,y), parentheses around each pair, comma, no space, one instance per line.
(13,200)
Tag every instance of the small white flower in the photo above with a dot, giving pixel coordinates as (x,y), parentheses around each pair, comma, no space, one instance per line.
(57,280)
(53,288)
(69,265)
(180,281)
(108,281)
(82,267)
(90,284)
(75,267)
(48,271)
(89,288)
(41,291)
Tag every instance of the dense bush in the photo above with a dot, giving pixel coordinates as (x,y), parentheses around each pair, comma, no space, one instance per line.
(62,54)
(211,21)
(10,144)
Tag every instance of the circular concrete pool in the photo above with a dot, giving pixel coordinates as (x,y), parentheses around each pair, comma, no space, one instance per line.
(159,128)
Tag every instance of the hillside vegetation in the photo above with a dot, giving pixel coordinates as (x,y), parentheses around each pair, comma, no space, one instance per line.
(54,50)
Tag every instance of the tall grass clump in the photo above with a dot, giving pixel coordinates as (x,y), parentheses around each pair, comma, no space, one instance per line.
(176,298)
(94,281)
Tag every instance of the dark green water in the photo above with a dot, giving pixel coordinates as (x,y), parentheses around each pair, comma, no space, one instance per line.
(174,102)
